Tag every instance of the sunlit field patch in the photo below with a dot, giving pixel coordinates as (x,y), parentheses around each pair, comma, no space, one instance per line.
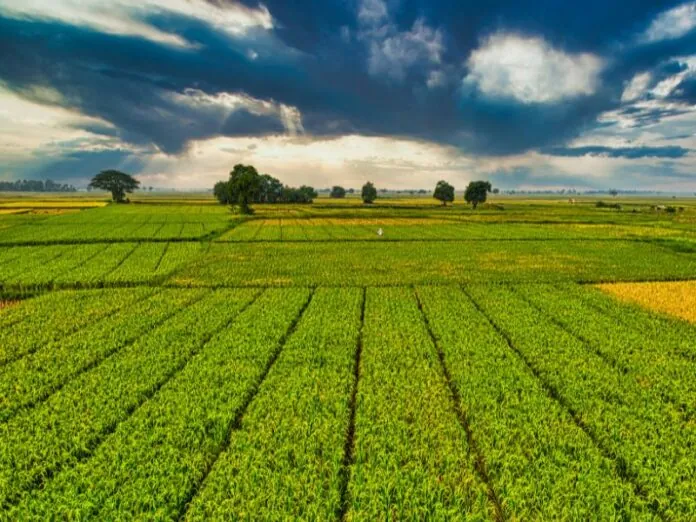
(676,298)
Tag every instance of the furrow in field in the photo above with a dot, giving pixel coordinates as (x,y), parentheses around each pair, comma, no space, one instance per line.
(539,462)
(286,457)
(52,317)
(155,460)
(412,460)
(650,363)
(34,378)
(628,424)
(73,422)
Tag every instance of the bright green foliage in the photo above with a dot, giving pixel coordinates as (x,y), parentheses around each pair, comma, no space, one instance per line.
(52,317)
(155,460)
(648,438)
(404,263)
(538,399)
(674,335)
(654,364)
(285,461)
(32,378)
(91,405)
(541,464)
(412,461)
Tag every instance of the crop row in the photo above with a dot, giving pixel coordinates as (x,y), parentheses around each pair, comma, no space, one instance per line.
(411,458)
(51,317)
(155,461)
(540,463)
(285,461)
(69,424)
(678,336)
(648,438)
(653,363)
(94,264)
(34,377)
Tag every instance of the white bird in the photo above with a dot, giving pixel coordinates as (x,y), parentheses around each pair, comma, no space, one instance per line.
(380,232)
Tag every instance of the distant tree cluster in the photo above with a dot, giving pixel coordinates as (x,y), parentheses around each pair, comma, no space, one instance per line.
(476,192)
(246,186)
(338,192)
(28,185)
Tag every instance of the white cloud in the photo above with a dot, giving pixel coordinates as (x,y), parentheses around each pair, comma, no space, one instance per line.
(127,17)
(530,70)
(671,24)
(637,87)
(349,161)
(221,105)
(393,52)
(27,126)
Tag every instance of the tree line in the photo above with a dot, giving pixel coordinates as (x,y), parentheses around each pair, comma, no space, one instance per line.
(30,185)
(246,186)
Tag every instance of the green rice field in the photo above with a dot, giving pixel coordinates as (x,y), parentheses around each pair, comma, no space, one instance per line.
(171,360)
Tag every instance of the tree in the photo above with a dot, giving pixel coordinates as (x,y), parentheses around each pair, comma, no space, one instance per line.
(271,189)
(444,192)
(476,192)
(244,187)
(221,190)
(338,192)
(369,193)
(304,194)
(309,193)
(118,183)
(614,192)
(497,191)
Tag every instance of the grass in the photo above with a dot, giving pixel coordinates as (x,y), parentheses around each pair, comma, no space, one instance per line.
(170,360)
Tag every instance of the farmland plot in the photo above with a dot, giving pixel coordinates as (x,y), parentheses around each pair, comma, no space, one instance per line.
(174,361)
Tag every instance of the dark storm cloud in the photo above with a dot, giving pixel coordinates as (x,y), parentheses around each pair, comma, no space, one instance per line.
(73,166)
(316,59)
(619,152)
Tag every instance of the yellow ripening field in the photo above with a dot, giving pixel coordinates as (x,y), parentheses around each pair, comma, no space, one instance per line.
(676,298)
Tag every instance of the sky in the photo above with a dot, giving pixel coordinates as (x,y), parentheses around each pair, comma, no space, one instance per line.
(544,94)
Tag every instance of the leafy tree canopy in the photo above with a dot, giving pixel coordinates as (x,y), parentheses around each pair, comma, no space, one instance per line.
(246,186)
(444,192)
(118,183)
(476,192)
(369,193)
(338,192)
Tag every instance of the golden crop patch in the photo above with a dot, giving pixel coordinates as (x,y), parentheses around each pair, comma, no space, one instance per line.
(676,298)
